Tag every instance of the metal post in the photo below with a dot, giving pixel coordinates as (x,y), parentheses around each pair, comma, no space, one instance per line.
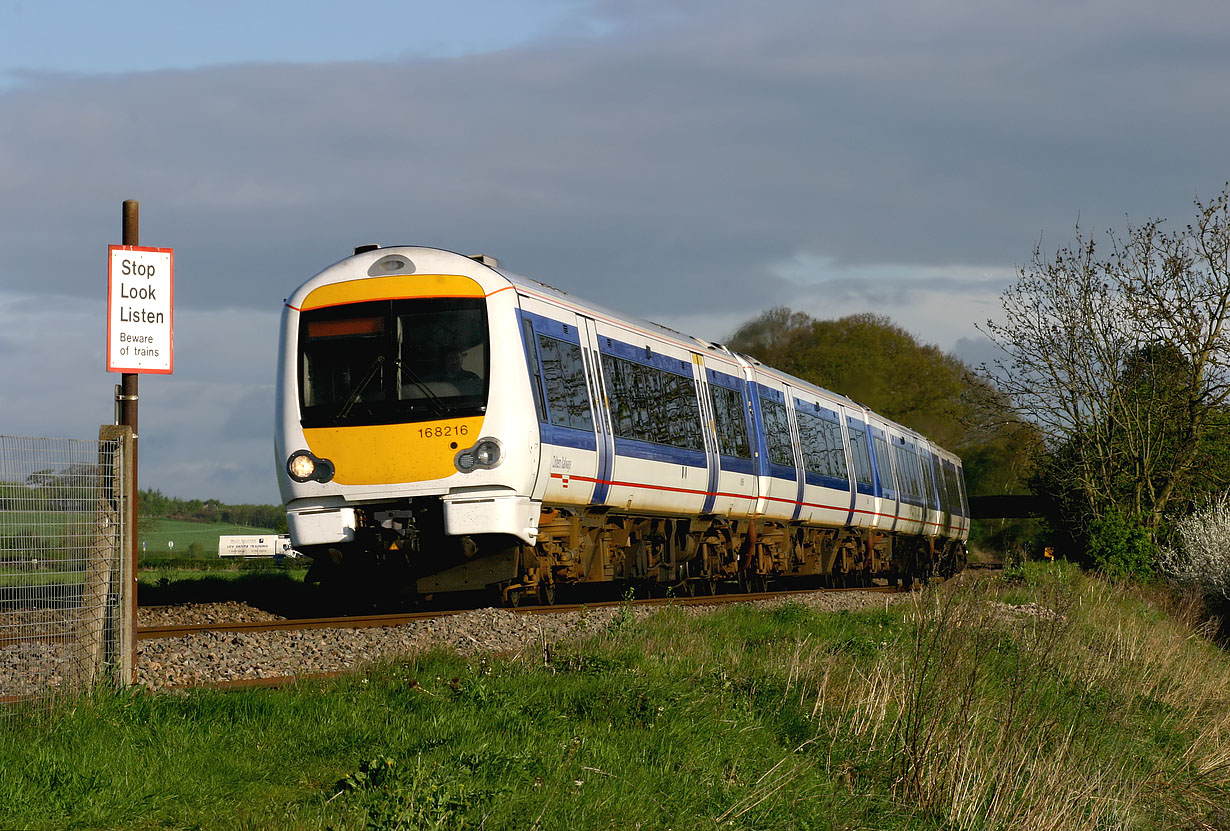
(128,417)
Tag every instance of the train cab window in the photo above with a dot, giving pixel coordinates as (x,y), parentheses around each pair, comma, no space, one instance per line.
(438,353)
(388,361)
(563,375)
(344,362)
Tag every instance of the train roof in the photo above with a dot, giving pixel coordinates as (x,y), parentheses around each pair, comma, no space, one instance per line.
(531,287)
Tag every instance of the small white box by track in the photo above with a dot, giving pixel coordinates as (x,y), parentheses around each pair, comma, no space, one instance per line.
(255,545)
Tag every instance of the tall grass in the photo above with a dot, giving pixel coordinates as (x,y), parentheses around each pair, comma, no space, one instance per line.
(1056,702)
(1065,703)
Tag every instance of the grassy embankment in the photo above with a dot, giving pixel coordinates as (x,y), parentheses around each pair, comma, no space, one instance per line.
(1100,707)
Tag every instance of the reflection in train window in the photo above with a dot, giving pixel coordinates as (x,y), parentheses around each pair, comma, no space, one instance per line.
(651,404)
(563,375)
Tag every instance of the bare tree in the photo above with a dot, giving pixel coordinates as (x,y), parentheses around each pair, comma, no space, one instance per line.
(1121,360)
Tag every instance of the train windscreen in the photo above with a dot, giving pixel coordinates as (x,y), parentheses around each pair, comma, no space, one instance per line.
(386,362)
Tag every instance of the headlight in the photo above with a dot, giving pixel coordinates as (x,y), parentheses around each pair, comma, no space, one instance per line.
(484,455)
(304,467)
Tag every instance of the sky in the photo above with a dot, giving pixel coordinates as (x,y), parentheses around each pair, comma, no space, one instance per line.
(693,162)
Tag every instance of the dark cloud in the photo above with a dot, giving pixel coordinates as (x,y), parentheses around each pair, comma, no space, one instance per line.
(250,415)
(667,162)
(663,159)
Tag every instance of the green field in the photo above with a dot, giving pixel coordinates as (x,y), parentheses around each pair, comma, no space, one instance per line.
(1053,700)
(47,548)
(47,534)
(185,539)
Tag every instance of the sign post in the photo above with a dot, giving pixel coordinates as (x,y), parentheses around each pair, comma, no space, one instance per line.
(140,328)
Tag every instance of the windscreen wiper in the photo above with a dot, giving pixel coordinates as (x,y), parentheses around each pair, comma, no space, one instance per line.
(358,390)
(436,404)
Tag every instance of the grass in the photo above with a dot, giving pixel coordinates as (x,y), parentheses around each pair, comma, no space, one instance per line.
(1058,701)
(199,538)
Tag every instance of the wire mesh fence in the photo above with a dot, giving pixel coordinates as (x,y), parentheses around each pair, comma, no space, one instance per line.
(62,565)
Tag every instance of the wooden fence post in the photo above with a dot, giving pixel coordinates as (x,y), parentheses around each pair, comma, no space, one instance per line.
(106,617)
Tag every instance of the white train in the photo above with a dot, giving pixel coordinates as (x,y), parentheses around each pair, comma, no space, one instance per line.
(443,424)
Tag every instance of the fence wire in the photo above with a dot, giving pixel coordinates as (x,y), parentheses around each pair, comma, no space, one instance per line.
(61,552)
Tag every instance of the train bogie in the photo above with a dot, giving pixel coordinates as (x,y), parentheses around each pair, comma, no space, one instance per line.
(459,427)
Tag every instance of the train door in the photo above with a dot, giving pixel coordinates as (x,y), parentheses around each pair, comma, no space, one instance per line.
(964,503)
(567,416)
(735,433)
(800,475)
(777,472)
(602,421)
(938,463)
(708,424)
(827,495)
(909,488)
(887,504)
(933,519)
(863,504)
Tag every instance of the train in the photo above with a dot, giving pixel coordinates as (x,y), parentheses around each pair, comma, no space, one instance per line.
(445,425)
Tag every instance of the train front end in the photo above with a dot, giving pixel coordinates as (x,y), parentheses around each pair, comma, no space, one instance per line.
(402,442)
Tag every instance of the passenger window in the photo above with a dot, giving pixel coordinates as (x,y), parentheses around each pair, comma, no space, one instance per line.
(777,432)
(729,413)
(883,465)
(823,450)
(563,375)
(651,404)
(860,452)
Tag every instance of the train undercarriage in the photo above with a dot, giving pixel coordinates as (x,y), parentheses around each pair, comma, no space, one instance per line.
(403,555)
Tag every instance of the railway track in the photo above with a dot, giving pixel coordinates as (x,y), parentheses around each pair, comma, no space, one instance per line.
(67,632)
(382,620)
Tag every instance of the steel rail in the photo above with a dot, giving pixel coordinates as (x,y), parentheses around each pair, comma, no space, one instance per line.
(385,620)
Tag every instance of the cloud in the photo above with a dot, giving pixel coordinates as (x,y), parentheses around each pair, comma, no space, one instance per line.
(668,160)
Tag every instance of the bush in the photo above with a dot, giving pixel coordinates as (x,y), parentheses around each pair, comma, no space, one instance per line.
(1120,546)
(1200,556)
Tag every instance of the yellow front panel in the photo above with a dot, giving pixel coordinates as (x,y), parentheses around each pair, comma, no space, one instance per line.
(392,287)
(380,454)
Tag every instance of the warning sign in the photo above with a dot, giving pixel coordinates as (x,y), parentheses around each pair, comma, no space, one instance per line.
(140,312)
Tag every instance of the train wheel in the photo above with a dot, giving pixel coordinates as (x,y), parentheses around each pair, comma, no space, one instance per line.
(546,594)
(512,598)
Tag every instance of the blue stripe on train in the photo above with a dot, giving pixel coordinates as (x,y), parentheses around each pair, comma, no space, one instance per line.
(568,437)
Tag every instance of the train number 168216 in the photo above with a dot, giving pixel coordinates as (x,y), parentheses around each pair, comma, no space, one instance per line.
(444,431)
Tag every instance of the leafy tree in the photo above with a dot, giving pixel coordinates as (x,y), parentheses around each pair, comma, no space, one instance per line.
(1122,360)
(154,503)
